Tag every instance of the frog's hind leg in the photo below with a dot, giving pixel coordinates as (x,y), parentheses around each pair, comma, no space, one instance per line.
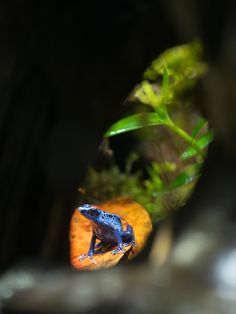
(103,247)
(129,236)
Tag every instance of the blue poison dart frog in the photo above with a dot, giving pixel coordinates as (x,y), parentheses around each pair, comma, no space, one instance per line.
(108,228)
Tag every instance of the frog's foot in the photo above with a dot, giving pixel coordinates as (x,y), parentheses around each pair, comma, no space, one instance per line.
(130,243)
(118,250)
(82,257)
(127,244)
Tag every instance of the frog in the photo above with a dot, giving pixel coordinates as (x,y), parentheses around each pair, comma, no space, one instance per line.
(106,227)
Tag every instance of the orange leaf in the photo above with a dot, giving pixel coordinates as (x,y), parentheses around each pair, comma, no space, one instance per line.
(81,233)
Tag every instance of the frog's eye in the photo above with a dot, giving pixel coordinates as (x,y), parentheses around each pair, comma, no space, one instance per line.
(93,212)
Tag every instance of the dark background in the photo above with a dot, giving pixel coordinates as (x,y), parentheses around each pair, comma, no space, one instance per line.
(65,69)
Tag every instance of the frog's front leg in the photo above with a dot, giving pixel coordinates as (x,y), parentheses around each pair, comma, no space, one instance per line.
(92,245)
(91,248)
(119,240)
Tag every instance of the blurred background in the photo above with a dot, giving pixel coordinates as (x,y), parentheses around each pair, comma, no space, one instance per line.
(66,68)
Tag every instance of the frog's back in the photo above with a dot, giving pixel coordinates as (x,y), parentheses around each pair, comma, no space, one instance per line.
(112,220)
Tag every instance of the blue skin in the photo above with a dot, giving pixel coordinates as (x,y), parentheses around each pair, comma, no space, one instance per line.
(108,228)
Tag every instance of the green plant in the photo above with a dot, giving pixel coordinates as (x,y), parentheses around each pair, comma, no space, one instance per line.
(164,185)
(174,66)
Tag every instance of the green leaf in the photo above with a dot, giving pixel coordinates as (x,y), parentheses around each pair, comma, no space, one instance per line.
(187,176)
(202,143)
(200,124)
(182,179)
(165,81)
(184,67)
(146,94)
(134,122)
(163,167)
(178,58)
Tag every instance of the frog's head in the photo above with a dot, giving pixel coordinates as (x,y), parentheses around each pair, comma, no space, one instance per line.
(89,211)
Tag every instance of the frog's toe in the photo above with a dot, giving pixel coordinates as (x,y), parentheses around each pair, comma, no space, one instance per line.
(127,244)
(130,243)
(118,250)
(82,257)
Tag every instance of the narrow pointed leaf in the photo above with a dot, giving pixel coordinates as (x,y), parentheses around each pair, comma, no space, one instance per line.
(134,122)
(181,180)
(202,142)
(200,124)
(187,176)
(165,81)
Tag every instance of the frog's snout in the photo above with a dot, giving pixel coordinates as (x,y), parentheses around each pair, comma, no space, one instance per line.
(84,208)
(89,211)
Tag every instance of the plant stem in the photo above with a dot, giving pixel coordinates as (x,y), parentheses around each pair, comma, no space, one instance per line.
(191,141)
